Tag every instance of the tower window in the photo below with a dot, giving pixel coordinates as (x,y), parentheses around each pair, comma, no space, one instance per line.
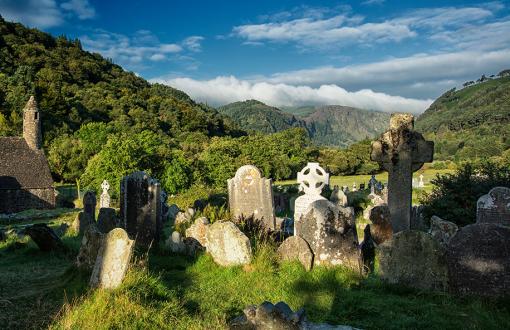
(36,115)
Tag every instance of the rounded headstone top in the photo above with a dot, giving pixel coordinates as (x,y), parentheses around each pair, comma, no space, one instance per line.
(401,121)
(89,198)
(248,173)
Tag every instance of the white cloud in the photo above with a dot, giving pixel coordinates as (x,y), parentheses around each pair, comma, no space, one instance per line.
(45,13)
(193,43)
(222,90)
(373,2)
(343,29)
(82,8)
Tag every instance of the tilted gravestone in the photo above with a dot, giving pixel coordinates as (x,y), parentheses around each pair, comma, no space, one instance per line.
(479,260)
(494,207)
(140,208)
(112,260)
(415,259)
(251,196)
(442,230)
(312,179)
(89,205)
(401,151)
(296,248)
(330,231)
(228,245)
(90,245)
(104,199)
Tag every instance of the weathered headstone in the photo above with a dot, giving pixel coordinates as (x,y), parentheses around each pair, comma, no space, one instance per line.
(338,197)
(140,208)
(494,207)
(82,222)
(367,249)
(401,151)
(381,229)
(90,245)
(175,242)
(354,188)
(415,259)
(89,205)
(479,260)
(361,186)
(104,199)
(330,231)
(442,230)
(228,245)
(44,237)
(198,230)
(251,196)
(106,220)
(312,179)
(112,260)
(296,248)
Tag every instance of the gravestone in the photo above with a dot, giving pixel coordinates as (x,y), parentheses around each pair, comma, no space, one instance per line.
(361,186)
(421,184)
(89,248)
(367,249)
(381,229)
(251,196)
(228,245)
(312,179)
(104,199)
(442,230)
(401,151)
(106,220)
(112,260)
(140,208)
(338,197)
(479,260)
(82,222)
(44,237)
(354,188)
(372,182)
(89,205)
(198,230)
(296,248)
(494,207)
(330,231)
(415,259)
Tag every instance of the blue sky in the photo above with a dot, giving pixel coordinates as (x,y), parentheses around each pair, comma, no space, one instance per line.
(374,54)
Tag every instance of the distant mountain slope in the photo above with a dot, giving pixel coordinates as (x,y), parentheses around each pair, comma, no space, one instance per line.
(326,125)
(255,115)
(473,122)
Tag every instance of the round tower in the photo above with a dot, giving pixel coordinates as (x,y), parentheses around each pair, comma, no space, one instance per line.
(32,124)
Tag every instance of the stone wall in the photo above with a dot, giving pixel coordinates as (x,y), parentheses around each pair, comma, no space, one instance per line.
(17,200)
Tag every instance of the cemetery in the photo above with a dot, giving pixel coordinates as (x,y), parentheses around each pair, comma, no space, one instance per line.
(323,261)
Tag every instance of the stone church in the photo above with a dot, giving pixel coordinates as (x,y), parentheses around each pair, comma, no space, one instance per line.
(25,179)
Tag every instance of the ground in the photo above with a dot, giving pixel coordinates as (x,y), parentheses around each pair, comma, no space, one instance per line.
(169,291)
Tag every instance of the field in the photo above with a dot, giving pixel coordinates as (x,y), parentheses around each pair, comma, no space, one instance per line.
(171,291)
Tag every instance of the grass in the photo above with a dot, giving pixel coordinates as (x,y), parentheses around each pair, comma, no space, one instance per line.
(170,291)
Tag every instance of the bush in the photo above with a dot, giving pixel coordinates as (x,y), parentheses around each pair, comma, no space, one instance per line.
(454,196)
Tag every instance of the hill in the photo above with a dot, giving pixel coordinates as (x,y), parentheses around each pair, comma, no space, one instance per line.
(326,125)
(255,115)
(470,123)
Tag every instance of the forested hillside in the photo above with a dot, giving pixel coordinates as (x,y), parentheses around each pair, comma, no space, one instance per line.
(326,125)
(470,123)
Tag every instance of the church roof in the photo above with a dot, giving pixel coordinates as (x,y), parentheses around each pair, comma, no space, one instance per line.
(22,167)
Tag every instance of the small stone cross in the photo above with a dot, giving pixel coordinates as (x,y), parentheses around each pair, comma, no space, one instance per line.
(401,151)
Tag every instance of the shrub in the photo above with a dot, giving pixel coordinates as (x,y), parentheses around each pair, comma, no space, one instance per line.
(454,196)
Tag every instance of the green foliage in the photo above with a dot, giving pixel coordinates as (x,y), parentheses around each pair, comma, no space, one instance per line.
(353,160)
(454,196)
(471,123)
(177,175)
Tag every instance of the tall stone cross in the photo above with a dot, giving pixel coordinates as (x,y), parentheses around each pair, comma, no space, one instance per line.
(401,151)
(104,200)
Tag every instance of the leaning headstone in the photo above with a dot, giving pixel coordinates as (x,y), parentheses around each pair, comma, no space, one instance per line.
(81,223)
(401,151)
(104,199)
(89,205)
(330,231)
(198,230)
(415,259)
(338,197)
(296,248)
(442,230)
(312,179)
(228,245)
(90,245)
(44,237)
(494,207)
(380,229)
(479,260)
(251,196)
(140,208)
(106,220)
(112,260)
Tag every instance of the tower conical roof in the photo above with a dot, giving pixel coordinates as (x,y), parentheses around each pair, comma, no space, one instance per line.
(31,104)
